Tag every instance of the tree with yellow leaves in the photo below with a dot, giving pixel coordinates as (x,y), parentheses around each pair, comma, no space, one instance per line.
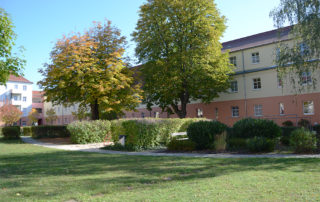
(33,116)
(89,69)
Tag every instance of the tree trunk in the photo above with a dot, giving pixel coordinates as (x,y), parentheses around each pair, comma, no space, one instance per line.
(94,110)
(184,100)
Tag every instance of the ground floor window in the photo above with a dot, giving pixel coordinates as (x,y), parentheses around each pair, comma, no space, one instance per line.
(308,108)
(258,110)
(199,113)
(156,114)
(281,106)
(235,111)
(142,115)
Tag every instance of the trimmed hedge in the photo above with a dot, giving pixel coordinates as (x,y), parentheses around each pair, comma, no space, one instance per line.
(27,130)
(260,144)
(203,133)
(148,133)
(11,132)
(303,141)
(49,131)
(250,128)
(89,131)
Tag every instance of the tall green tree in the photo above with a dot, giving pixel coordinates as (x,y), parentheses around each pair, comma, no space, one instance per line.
(10,63)
(88,69)
(303,56)
(178,42)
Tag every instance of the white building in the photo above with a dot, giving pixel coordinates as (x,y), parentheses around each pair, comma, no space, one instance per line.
(18,92)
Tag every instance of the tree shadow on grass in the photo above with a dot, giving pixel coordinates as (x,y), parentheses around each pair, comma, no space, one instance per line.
(89,171)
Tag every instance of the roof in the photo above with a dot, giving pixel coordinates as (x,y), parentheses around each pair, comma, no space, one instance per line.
(38,94)
(18,79)
(260,39)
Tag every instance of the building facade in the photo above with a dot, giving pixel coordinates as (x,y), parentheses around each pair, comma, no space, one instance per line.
(256,89)
(18,92)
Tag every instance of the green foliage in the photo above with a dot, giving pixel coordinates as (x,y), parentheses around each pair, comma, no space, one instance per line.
(181,145)
(89,131)
(316,128)
(89,69)
(249,128)
(203,133)
(9,62)
(49,131)
(220,142)
(303,15)
(260,144)
(51,116)
(304,123)
(286,134)
(236,143)
(287,123)
(181,52)
(11,132)
(303,141)
(27,130)
(148,133)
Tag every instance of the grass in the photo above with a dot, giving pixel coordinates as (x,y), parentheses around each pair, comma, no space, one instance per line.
(32,173)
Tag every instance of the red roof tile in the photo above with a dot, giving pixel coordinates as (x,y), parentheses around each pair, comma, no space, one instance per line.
(18,79)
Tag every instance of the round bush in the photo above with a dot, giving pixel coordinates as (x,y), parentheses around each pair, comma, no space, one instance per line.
(203,133)
(303,141)
(260,144)
(11,132)
(250,128)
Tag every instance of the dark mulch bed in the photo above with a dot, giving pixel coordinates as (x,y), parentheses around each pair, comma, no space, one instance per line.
(60,140)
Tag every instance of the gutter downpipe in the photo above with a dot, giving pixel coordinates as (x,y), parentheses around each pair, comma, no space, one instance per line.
(244,85)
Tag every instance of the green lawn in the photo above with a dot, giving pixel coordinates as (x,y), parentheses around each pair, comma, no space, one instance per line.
(31,173)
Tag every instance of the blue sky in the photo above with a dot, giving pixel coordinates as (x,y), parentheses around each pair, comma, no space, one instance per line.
(39,23)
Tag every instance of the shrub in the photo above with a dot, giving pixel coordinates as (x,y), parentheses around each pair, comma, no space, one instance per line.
(316,128)
(220,143)
(149,132)
(249,128)
(11,132)
(49,131)
(286,133)
(27,130)
(236,143)
(203,133)
(181,145)
(287,123)
(89,131)
(304,123)
(303,141)
(260,144)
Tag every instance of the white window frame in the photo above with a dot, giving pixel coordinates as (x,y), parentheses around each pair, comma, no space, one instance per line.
(255,58)
(235,111)
(258,81)
(306,78)
(279,81)
(306,105)
(16,86)
(281,109)
(24,88)
(232,90)
(24,99)
(233,60)
(258,110)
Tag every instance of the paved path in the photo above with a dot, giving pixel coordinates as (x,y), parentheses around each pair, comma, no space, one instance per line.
(96,148)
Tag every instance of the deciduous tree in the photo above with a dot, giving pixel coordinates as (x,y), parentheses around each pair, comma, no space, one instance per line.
(303,56)
(178,42)
(51,116)
(10,63)
(10,114)
(88,69)
(33,116)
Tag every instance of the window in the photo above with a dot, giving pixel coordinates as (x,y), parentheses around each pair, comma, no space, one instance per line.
(235,111)
(199,113)
(306,78)
(65,120)
(142,115)
(24,123)
(15,86)
(16,97)
(156,114)
(25,88)
(24,111)
(304,49)
(256,83)
(258,110)
(281,107)
(24,99)
(234,86)
(39,110)
(217,113)
(233,60)
(255,57)
(308,108)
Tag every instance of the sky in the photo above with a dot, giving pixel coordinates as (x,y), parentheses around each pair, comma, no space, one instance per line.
(39,23)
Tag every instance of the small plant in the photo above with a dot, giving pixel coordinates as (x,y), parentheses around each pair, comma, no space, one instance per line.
(203,133)
(304,123)
(287,123)
(181,145)
(11,132)
(260,144)
(303,141)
